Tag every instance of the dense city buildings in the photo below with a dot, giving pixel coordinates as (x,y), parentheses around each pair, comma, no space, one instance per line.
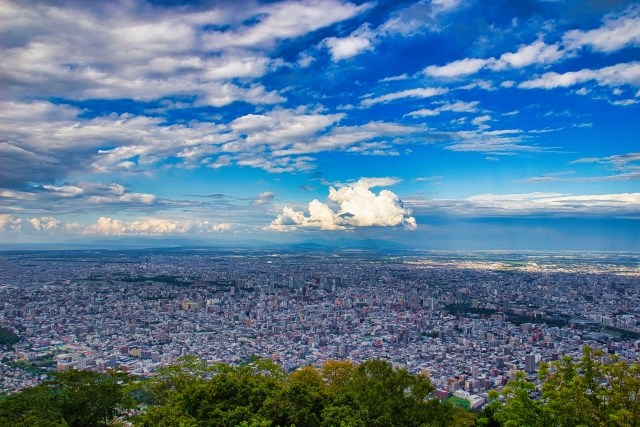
(469,321)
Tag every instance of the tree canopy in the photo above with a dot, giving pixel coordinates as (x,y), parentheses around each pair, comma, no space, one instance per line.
(596,390)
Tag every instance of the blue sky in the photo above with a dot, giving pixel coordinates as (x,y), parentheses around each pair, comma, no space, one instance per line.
(453,124)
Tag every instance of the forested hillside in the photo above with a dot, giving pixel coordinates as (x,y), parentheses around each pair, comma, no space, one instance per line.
(597,390)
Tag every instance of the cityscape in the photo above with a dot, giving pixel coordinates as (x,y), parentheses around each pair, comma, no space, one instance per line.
(320,213)
(467,320)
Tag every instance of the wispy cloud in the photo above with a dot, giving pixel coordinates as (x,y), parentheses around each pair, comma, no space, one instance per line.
(455,107)
(527,204)
(426,92)
(614,75)
(619,160)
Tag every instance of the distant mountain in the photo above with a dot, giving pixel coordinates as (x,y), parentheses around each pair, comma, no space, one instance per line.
(146,242)
(345,243)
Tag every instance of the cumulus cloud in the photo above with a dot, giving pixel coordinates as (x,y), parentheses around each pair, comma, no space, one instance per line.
(142,52)
(537,52)
(223,226)
(10,223)
(357,42)
(106,226)
(616,33)
(357,206)
(279,127)
(47,142)
(109,226)
(45,223)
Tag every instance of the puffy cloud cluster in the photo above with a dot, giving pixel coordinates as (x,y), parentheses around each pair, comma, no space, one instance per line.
(357,205)
(133,50)
(45,223)
(345,47)
(114,227)
(106,226)
(46,142)
(10,223)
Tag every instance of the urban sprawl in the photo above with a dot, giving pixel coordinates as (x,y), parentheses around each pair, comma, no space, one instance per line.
(468,322)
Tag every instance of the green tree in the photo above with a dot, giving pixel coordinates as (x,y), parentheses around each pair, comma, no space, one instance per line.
(194,394)
(514,406)
(597,390)
(392,397)
(8,338)
(72,398)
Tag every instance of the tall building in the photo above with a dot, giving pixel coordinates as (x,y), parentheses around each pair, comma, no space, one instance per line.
(530,363)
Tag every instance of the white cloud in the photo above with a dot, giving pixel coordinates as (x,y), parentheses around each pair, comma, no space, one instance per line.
(48,142)
(357,42)
(615,34)
(78,197)
(426,92)
(625,102)
(537,52)
(279,128)
(137,51)
(304,60)
(400,77)
(358,206)
(523,204)
(223,226)
(619,161)
(455,107)
(10,223)
(615,75)
(557,202)
(445,5)
(264,198)
(461,67)
(343,137)
(283,21)
(45,223)
(106,226)
(503,141)
(481,121)
(418,17)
